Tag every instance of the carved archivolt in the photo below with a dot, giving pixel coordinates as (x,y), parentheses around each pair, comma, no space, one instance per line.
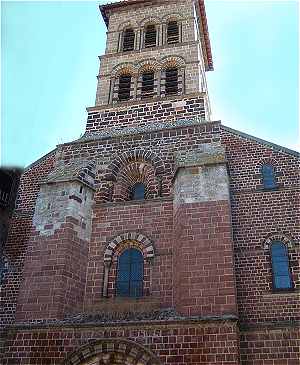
(112,352)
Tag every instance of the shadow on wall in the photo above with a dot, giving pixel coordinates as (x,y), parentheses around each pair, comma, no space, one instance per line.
(9,182)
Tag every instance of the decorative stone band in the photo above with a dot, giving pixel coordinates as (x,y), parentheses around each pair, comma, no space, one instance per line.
(112,351)
(144,242)
(278,237)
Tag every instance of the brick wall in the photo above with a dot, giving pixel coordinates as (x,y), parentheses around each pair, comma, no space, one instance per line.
(173,343)
(279,346)
(257,215)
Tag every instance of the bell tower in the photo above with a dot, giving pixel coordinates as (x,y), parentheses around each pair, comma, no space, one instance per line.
(156,52)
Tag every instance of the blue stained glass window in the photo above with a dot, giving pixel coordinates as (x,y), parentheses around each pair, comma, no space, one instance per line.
(280,267)
(138,192)
(268,176)
(130,274)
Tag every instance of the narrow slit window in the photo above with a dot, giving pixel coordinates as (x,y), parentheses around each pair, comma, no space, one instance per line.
(138,192)
(124,87)
(130,274)
(128,40)
(282,279)
(171,81)
(268,176)
(150,36)
(172,32)
(147,84)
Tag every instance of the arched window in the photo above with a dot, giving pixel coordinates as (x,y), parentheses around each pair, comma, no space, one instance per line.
(138,192)
(282,279)
(124,87)
(130,274)
(172,32)
(150,36)
(128,40)
(147,89)
(268,176)
(171,82)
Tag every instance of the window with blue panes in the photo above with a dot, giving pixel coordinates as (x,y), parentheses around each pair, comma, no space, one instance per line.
(282,279)
(138,192)
(268,176)
(130,274)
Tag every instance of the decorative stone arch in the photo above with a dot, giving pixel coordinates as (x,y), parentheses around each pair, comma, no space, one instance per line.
(131,156)
(127,24)
(126,68)
(148,65)
(277,237)
(135,173)
(108,351)
(144,243)
(150,20)
(173,61)
(172,16)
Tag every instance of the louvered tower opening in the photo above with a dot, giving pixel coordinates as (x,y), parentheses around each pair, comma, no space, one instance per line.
(172,32)
(124,87)
(128,40)
(150,36)
(147,89)
(171,83)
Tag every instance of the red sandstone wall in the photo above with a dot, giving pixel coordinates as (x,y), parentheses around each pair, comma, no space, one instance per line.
(256,215)
(155,220)
(175,345)
(18,236)
(205,283)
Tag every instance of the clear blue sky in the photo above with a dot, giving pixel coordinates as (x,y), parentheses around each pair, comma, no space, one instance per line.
(50,61)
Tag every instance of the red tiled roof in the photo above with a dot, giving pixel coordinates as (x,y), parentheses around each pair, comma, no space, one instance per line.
(105,9)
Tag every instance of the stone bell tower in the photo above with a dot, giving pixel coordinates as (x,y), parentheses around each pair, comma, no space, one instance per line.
(155,51)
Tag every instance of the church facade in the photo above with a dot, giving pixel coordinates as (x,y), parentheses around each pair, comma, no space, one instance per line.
(160,236)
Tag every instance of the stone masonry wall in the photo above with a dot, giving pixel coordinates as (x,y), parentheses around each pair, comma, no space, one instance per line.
(140,115)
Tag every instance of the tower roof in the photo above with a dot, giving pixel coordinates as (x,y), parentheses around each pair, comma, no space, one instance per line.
(205,42)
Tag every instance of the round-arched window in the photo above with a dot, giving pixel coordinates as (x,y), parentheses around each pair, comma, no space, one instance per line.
(130,274)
